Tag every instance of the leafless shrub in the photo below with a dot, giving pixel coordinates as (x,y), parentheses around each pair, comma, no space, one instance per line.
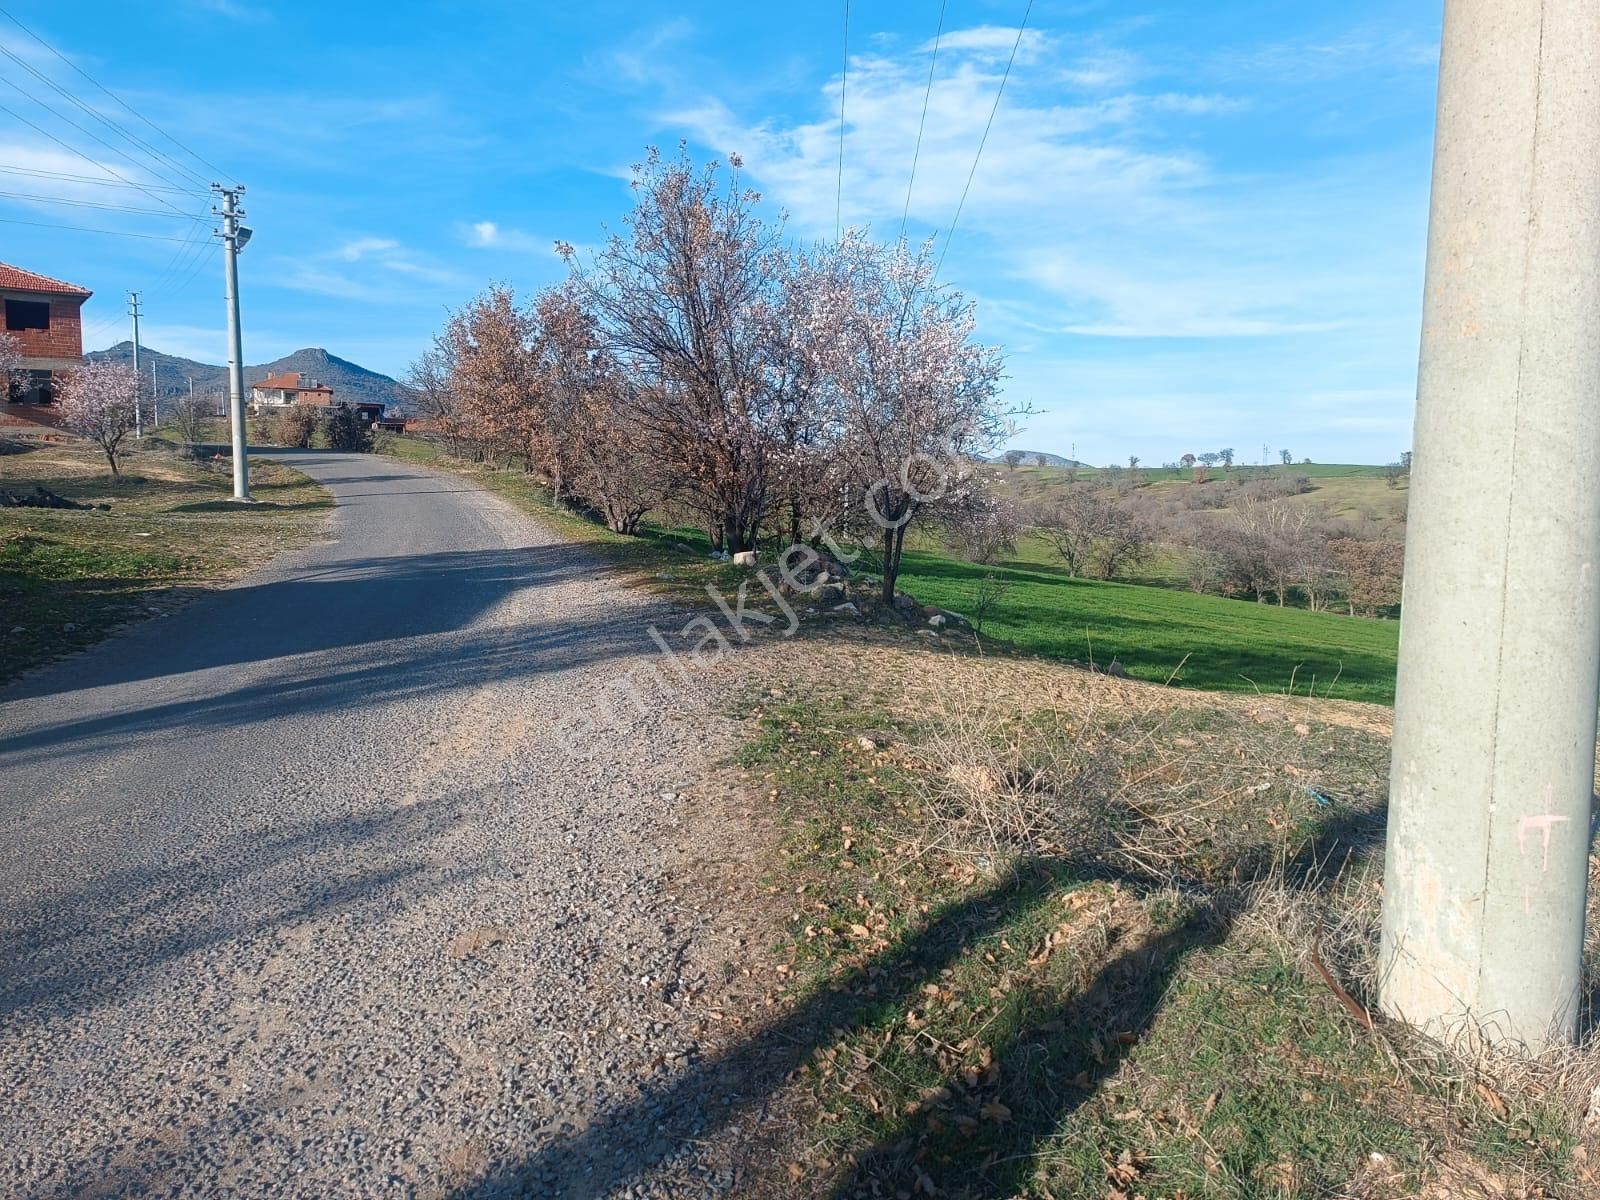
(986,598)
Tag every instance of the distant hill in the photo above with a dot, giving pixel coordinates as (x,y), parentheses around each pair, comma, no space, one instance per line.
(1030,458)
(348,380)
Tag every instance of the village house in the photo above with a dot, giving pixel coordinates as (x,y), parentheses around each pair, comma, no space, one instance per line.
(280,391)
(291,387)
(44,316)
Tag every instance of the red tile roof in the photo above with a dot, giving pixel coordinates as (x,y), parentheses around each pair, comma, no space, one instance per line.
(290,381)
(15,279)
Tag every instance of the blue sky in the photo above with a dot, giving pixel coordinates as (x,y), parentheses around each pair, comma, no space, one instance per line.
(1192,225)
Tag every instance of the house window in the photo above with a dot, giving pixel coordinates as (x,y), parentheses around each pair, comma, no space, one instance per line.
(32,387)
(27,314)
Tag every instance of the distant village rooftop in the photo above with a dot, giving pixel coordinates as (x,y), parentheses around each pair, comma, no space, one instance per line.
(286,388)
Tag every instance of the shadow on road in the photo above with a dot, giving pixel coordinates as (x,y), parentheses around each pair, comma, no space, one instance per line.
(358,631)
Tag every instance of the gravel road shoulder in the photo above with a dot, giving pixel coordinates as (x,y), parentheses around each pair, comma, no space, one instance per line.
(301,913)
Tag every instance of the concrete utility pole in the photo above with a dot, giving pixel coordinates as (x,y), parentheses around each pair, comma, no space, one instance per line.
(234,236)
(155,404)
(1494,730)
(138,409)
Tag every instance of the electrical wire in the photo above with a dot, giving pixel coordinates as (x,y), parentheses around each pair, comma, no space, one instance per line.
(921,124)
(221,174)
(122,208)
(844,81)
(68,146)
(152,237)
(1001,91)
(167,162)
(68,177)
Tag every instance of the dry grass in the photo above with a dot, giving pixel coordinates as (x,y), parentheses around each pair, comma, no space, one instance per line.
(1140,883)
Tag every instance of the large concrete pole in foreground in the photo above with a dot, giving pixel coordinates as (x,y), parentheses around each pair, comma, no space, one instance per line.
(1494,731)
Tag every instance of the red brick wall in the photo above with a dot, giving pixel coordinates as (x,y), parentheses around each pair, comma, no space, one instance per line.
(64,338)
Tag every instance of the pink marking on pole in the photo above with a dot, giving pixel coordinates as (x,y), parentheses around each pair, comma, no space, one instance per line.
(1544,824)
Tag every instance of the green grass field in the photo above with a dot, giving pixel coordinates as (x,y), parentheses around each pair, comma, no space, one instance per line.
(1156,633)
(1160,633)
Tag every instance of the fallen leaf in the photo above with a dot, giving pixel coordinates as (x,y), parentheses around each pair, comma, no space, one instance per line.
(996,1112)
(1492,1098)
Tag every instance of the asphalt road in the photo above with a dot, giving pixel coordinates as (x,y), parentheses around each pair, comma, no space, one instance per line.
(331,884)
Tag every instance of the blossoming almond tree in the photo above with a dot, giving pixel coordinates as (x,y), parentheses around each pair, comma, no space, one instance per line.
(99,401)
(684,303)
(13,378)
(914,397)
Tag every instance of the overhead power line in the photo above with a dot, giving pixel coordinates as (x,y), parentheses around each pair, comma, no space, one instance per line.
(210,166)
(999,92)
(152,237)
(844,81)
(69,177)
(122,208)
(89,133)
(69,146)
(164,161)
(927,94)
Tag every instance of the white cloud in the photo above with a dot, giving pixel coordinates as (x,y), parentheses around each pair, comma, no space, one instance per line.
(1113,227)
(355,251)
(489,235)
(1148,261)
(365,268)
(990,41)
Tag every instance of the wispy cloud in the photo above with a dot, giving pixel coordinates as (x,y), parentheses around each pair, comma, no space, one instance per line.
(489,235)
(370,268)
(1116,228)
(233,10)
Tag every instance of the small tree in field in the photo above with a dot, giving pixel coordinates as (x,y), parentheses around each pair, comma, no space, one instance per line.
(188,418)
(1372,573)
(1014,459)
(99,401)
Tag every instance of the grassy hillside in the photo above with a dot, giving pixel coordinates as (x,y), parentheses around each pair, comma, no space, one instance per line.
(1343,491)
(1156,633)
(1161,633)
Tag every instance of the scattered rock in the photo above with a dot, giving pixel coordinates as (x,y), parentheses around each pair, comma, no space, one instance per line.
(471,941)
(866,743)
(745,558)
(905,603)
(685,547)
(828,593)
(847,607)
(1116,670)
